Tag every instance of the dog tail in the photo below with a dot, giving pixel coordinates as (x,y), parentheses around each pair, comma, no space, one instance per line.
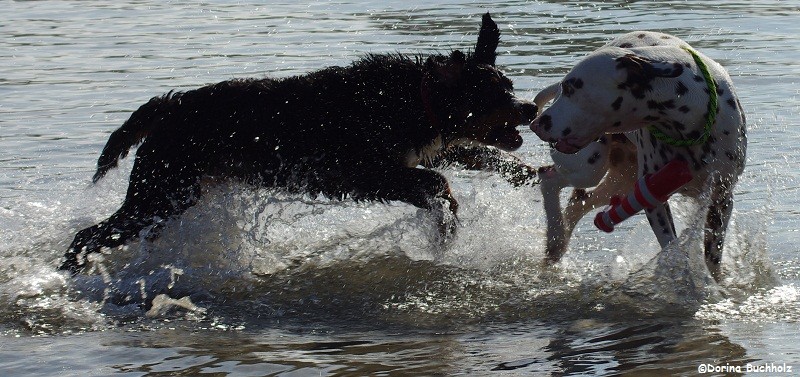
(132,132)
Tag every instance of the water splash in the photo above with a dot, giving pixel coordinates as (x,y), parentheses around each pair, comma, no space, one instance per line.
(675,279)
(244,254)
(778,304)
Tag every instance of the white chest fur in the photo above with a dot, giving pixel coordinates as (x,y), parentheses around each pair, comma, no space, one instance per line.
(427,153)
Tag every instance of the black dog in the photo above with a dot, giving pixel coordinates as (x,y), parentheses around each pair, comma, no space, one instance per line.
(359,131)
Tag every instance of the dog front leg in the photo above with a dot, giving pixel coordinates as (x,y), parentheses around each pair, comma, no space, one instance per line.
(556,237)
(660,219)
(432,192)
(422,188)
(510,167)
(561,224)
(719,214)
(618,180)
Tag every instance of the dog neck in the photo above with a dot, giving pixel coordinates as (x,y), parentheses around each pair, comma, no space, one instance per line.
(711,111)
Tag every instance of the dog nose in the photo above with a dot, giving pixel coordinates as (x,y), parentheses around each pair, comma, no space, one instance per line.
(529,111)
(535,125)
(542,125)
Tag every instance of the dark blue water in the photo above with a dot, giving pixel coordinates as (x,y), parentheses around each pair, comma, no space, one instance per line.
(251,283)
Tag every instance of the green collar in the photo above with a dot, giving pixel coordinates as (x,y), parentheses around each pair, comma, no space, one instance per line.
(711,117)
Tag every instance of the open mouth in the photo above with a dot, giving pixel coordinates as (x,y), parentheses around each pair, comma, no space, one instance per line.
(506,138)
(567,146)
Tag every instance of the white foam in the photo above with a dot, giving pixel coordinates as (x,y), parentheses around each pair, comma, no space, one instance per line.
(163,304)
(779,304)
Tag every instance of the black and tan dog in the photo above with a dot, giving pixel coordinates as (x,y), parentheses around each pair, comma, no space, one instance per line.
(359,131)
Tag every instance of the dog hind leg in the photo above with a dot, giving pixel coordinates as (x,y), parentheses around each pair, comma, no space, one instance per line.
(112,232)
(150,199)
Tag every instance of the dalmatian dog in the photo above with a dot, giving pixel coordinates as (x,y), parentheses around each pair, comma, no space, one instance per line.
(626,110)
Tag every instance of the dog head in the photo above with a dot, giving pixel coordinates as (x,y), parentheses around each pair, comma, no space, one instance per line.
(604,93)
(470,100)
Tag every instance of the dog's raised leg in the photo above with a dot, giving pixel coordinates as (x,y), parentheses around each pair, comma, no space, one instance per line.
(510,167)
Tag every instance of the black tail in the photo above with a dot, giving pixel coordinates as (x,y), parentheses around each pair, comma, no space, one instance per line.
(132,132)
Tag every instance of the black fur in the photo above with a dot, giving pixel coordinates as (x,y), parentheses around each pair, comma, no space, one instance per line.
(642,71)
(510,167)
(338,132)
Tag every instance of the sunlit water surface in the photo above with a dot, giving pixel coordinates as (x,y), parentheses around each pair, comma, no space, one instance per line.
(252,283)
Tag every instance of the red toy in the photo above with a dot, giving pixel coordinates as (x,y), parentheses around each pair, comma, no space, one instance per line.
(650,191)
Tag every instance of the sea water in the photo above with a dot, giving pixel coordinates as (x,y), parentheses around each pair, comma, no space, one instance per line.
(251,282)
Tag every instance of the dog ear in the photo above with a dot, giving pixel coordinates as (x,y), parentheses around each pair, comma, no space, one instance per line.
(447,71)
(488,39)
(647,69)
(640,71)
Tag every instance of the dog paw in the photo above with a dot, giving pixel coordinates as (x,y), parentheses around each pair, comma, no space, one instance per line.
(447,223)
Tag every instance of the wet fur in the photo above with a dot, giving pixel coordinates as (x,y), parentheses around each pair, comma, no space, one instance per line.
(354,132)
(637,80)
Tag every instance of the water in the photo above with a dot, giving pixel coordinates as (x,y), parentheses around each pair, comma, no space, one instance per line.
(249,283)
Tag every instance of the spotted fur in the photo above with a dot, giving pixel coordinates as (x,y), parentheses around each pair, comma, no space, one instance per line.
(635,81)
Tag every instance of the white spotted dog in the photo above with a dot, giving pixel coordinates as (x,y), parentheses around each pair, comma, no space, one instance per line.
(671,102)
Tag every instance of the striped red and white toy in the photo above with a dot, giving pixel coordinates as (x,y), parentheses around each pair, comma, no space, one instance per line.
(649,192)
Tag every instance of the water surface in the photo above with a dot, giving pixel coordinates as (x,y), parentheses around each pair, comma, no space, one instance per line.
(279,285)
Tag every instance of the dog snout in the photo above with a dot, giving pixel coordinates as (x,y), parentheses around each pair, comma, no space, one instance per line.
(542,124)
(535,125)
(529,111)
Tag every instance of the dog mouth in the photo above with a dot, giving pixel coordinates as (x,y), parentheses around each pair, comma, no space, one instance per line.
(507,138)
(567,146)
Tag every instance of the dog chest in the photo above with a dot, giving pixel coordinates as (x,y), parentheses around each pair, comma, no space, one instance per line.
(427,153)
